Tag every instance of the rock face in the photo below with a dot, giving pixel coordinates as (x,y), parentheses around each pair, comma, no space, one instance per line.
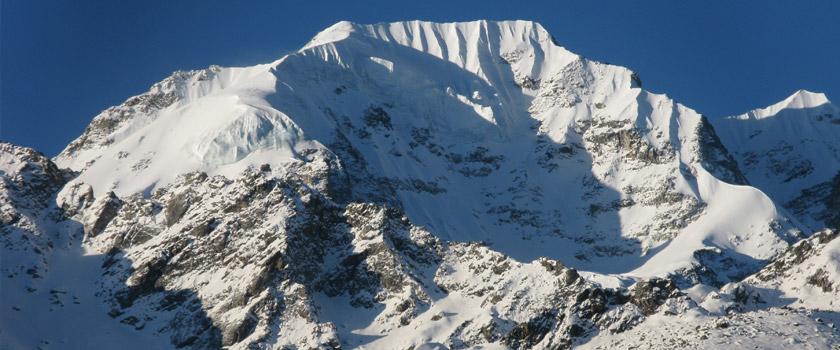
(807,275)
(28,186)
(400,186)
(819,203)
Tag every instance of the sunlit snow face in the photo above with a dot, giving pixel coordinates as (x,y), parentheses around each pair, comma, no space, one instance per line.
(483,115)
(251,131)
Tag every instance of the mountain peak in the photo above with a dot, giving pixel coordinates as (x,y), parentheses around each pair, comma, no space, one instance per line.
(805,99)
(801,99)
(416,31)
(477,47)
(336,32)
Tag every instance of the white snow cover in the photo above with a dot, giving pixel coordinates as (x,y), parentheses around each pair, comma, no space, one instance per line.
(492,87)
(787,147)
(486,131)
(220,126)
(801,99)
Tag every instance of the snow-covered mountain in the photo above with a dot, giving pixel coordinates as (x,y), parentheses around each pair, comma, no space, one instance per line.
(791,151)
(416,185)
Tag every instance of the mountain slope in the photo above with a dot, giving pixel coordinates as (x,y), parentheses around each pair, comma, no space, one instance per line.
(404,185)
(479,131)
(791,151)
(48,293)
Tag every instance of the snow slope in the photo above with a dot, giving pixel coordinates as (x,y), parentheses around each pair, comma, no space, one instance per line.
(48,294)
(480,130)
(789,150)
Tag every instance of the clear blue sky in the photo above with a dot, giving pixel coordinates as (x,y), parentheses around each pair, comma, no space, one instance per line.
(61,62)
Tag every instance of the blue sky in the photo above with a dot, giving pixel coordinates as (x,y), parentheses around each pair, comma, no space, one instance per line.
(61,62)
